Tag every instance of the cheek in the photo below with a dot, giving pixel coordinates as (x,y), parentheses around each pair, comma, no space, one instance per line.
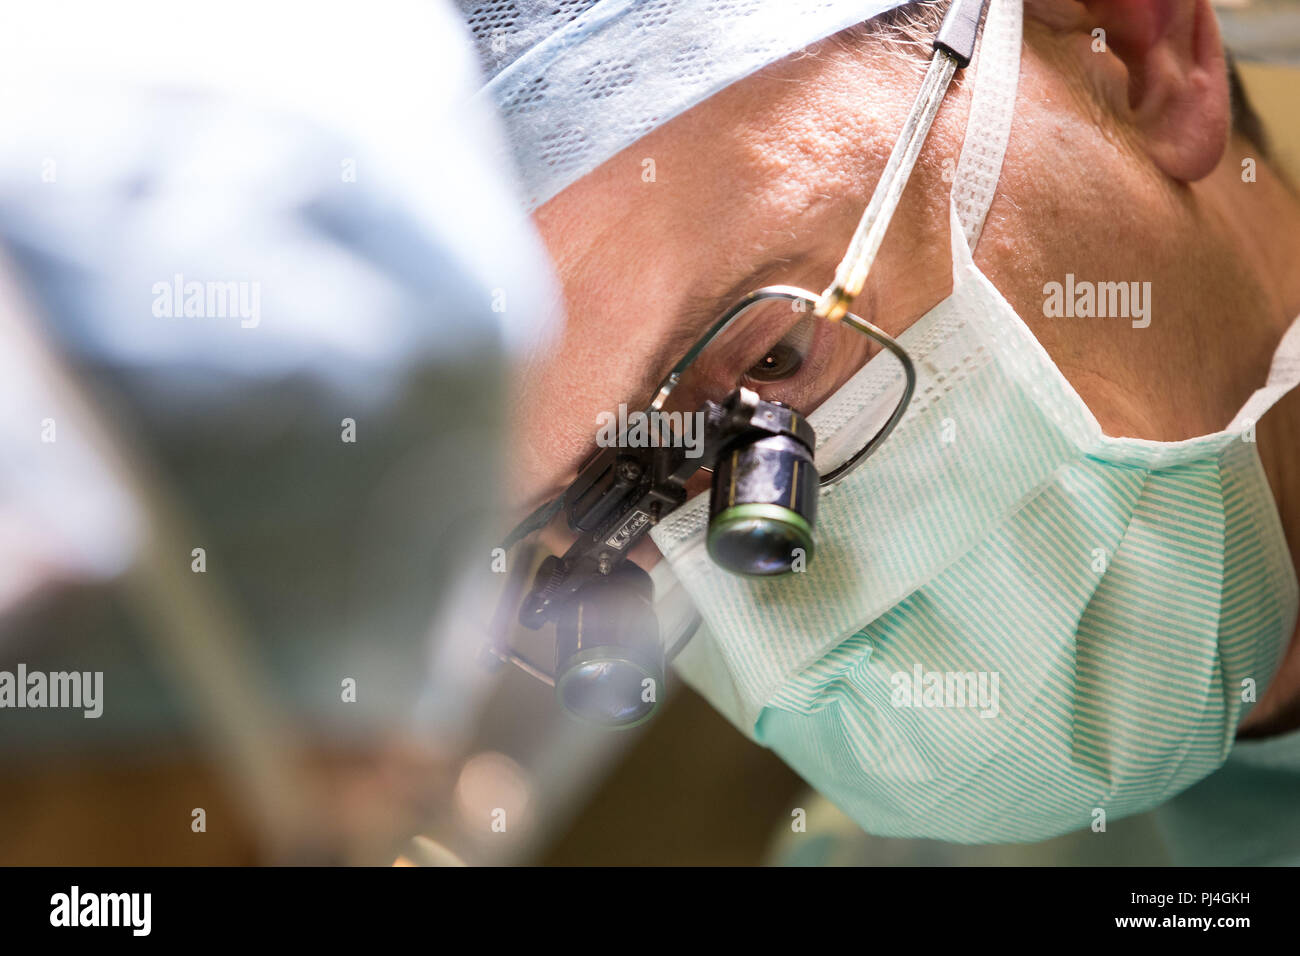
(915,263)
(915,286)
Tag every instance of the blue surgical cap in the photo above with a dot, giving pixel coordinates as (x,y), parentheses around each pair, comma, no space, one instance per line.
(576,81)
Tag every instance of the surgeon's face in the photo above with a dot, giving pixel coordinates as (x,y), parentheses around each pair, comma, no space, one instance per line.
(764,183)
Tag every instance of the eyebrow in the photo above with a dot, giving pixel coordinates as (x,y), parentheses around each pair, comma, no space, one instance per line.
(702,310)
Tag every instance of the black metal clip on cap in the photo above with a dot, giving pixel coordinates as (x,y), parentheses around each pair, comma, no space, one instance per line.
(960,26)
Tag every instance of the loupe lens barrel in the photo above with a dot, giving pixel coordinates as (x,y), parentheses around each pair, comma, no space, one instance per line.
(609,660)
(763,506)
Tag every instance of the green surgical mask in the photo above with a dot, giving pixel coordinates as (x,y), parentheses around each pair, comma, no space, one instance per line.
(1016,625)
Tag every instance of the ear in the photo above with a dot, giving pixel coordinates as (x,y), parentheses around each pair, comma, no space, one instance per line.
(1178,79)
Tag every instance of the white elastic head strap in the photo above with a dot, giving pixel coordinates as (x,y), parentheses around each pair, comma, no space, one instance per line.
(988,127)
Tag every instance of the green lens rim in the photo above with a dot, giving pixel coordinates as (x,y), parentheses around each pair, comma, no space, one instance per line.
(754,510)
(612,652)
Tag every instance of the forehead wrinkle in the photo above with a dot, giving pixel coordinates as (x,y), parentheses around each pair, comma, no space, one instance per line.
(801,166)
(816,153)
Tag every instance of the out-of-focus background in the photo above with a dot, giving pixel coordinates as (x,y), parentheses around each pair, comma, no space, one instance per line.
(327,560)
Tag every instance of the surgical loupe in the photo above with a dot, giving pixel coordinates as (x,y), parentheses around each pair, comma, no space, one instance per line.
(750,387)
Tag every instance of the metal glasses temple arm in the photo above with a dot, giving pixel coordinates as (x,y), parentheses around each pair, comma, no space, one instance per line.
(961,25)
(954,45)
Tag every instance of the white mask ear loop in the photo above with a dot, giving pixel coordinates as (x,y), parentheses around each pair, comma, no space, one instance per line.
(988,127)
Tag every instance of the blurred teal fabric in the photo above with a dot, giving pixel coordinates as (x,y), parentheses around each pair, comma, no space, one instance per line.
(1245,814)
(1248,813)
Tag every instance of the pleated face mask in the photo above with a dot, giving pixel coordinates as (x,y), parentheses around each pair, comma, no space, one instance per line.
(1014,623)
